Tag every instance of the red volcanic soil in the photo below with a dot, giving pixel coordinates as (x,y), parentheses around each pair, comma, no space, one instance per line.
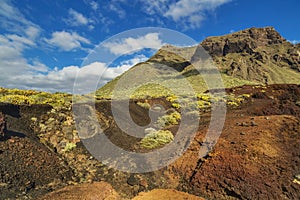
(257,156)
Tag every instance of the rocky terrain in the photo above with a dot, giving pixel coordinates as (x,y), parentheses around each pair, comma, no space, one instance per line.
(257,155)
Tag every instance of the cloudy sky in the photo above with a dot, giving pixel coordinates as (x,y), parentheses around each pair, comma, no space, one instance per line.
(44,44)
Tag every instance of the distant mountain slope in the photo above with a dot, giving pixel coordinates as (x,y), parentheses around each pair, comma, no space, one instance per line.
(251,56)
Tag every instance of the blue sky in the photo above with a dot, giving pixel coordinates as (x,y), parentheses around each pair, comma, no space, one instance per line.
(43,44)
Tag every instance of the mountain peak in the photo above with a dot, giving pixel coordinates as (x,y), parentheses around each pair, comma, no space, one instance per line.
(242,41)
(266,35)
(259,54)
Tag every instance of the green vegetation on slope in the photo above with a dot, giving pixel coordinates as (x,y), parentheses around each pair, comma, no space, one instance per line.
(165,85)
(16,96)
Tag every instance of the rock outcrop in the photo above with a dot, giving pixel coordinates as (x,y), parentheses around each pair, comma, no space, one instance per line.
(256,54)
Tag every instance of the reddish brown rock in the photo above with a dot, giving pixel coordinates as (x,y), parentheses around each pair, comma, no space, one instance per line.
(162,194)
(97,191)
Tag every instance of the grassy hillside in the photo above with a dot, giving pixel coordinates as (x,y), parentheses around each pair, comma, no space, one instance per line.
(158,88)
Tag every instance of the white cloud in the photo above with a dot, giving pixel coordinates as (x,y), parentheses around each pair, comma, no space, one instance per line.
(37,66)
(13,20)
(11,48)
(19,41)
(94,5)
(89,75)
(67,41)
(187,13)
(21,34)
(192,12)
(153,7)
(32,32)
(38,76)
(8,11)
(121,13)
(294,41)
(128,45)
(76,18)
(8,53)
(12,64)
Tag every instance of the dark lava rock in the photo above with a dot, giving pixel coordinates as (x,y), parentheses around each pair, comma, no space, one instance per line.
(132,180)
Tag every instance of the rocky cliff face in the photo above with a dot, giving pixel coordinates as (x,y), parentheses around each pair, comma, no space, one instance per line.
(259,54)
(245,41)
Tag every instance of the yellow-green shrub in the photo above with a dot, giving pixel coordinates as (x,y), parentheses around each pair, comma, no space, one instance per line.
(203,104)
(144,105)
(174,101)
(203,97)
(170,119)
(156,139)
(16,99)
(246,95)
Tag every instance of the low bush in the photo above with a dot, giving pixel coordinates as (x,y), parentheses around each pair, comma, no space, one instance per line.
(170,119)
(156,139)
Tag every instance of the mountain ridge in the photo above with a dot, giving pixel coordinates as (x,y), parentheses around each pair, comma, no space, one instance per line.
(250,56)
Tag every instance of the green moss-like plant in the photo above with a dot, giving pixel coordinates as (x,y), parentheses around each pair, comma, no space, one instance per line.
(156,139)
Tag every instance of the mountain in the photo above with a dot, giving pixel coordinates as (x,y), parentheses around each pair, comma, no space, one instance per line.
(256,54)
(251,56)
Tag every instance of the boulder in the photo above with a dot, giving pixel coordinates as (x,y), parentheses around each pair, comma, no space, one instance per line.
(96,190)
